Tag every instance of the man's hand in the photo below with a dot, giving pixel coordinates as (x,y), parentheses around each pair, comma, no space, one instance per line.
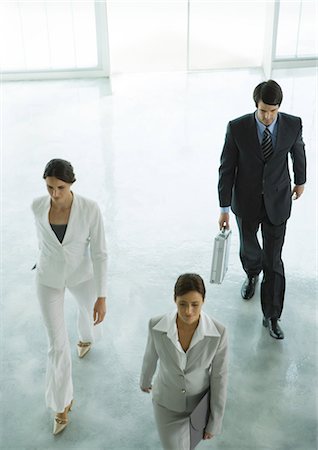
(297,191)
(99,310)
(224,221)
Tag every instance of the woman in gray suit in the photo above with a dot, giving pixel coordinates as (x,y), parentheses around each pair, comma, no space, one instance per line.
(72,255)
(192,350)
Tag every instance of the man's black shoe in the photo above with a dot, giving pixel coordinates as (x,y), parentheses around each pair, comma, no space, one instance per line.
(274,329)
(248,287)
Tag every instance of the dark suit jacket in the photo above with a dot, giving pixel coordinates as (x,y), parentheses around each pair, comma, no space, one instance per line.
(244,176)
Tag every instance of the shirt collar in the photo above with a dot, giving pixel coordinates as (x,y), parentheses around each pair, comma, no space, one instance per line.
(262,127)
(206,327)
(167,324)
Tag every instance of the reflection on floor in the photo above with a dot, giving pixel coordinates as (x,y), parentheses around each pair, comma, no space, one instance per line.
(149,155)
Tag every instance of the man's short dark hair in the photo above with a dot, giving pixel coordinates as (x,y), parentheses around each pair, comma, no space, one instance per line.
(269,92)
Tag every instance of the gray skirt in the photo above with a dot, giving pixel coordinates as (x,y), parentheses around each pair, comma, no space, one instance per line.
(173,427)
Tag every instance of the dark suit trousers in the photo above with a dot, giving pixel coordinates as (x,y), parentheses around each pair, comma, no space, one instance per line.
(267,257)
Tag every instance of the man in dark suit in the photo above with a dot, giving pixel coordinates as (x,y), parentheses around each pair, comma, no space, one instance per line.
(254,181)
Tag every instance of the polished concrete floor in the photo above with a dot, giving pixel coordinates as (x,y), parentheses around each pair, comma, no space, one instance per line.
(149,155)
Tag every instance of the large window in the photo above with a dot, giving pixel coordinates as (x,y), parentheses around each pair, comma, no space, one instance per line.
(160,35)
(226,34)
(297,30)
(147,35)
(53,36)
(48,36)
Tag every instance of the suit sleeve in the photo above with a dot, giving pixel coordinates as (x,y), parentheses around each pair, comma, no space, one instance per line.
(98,252)
(149,364)
(227,169)
(218,386)
(33,208)
(298,157)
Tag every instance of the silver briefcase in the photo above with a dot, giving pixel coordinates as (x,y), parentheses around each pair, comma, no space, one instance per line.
(220,259)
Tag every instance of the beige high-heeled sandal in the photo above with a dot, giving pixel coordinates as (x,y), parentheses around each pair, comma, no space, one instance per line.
(59,423)
(83,348)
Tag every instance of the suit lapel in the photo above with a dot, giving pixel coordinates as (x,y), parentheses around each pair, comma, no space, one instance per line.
(171,348)
(280,137)
(46,220)
(200,345)
(195,352)
(71,219)
(253,138)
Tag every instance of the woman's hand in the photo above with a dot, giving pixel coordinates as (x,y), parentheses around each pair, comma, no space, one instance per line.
(207,436)
(99,310)
(148,389)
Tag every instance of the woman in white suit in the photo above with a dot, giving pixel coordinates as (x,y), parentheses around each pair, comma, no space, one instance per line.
(192,350)
(72,255)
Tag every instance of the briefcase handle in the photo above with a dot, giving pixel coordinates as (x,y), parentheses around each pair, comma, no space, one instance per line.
(224,233)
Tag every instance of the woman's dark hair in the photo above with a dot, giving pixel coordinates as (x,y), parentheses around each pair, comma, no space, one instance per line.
(268,92)
(189,282)
(60,169)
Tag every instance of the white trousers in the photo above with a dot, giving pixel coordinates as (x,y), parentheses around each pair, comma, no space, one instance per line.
(59,384)
(173,427)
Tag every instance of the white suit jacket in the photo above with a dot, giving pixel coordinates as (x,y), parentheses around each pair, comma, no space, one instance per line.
(182,379)
(82,253)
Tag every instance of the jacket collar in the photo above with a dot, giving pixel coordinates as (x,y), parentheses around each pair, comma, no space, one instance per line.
(70,220)
(262,127)
(206,327)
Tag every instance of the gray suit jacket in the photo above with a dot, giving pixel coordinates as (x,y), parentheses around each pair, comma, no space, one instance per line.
(180,389)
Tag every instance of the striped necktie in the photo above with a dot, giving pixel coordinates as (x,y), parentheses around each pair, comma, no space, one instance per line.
(267,146)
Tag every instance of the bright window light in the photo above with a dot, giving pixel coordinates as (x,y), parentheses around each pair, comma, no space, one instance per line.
(297,34)
(147,36)
(46,35)
(226,34)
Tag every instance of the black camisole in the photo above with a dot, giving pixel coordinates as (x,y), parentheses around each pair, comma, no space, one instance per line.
(59,231)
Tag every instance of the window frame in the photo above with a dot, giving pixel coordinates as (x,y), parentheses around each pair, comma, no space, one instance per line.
(103,64)
(288,62)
